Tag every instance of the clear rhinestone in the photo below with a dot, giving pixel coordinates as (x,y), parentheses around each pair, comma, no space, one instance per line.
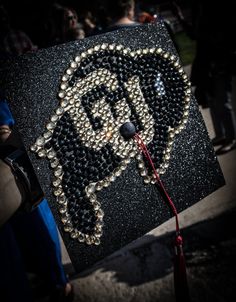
(77,59)
(153,181)
(112,178)
(56,182)
(91,188)
(61,94)
(57,192)
(64,86)
(73,65)
(100,213)
(69,71)
(68,229)
(47,134)
(119,47)
(54,118)
(96,206)
(141,165)
(64,220)
(40,141)
(61,199)
(88,240)
(51,154)
(166,55)
(98,186)
(62,210)
(146,180)
(33,148)
(104,46)
(97,241)
(50,126)
(74,235)
(65,78)
(58,171)
(81,238)
(59,111)
(42,153)
(54,163)
(64,103)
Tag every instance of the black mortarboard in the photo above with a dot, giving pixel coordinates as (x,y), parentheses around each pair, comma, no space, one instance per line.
(77,106)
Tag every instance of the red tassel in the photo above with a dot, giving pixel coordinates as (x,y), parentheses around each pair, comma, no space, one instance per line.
(180,275)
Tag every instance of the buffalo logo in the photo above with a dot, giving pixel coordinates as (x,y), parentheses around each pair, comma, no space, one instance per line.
(105,87)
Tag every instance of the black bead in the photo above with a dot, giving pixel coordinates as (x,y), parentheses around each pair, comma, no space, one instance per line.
(128,130)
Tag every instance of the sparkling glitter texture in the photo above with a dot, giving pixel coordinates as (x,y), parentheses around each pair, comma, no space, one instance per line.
(131,207)
(103,88)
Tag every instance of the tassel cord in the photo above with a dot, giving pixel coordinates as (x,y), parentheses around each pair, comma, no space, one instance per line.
(143,148)
(180,277)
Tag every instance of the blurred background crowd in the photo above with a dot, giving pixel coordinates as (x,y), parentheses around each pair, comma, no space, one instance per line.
(47,23)
(201,31)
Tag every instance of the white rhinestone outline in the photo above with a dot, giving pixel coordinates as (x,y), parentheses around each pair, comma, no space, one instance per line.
(67,102)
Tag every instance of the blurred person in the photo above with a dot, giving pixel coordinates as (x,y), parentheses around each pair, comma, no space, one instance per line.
(62,26)
(89,24)
(12,41)
(95,22)
(145,17)
(121,14)
(14,283)
(76,33)
(213,67)
(72,28)
(32,235)
(29,239)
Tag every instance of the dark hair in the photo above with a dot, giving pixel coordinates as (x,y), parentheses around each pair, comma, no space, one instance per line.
(4,22)
(119,8)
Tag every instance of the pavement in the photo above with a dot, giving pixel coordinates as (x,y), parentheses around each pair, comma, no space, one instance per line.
(143,270)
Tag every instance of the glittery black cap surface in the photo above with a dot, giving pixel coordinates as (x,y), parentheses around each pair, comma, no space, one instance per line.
(70,102)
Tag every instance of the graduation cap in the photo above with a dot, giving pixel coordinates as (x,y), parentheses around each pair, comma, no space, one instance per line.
(114,136)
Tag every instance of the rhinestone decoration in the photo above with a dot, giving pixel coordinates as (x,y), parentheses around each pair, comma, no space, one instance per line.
(103,88)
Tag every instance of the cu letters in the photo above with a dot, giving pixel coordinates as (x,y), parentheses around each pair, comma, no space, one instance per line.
(103,88)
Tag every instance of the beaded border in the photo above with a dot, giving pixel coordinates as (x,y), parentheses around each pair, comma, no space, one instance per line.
(68,96)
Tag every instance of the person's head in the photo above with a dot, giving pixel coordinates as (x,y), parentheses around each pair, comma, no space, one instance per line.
(70,18)
(121,8)
(145,17)
(61,22)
